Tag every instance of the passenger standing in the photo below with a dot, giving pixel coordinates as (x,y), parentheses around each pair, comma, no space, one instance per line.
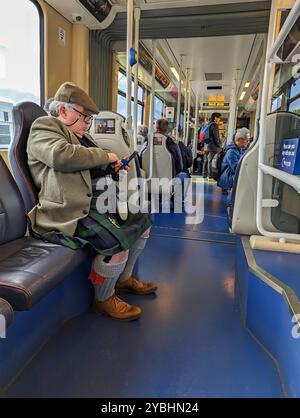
(213,146)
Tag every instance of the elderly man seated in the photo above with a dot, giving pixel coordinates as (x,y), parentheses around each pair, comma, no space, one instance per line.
(65,164)
(233,154)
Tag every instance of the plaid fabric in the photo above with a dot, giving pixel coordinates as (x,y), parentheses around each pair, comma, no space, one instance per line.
(104,234)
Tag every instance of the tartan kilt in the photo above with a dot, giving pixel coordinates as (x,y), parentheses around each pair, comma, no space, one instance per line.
(105,234)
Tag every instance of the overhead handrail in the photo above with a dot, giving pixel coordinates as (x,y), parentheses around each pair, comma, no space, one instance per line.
(264,169)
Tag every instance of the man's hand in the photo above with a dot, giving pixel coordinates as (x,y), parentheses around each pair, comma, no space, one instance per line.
(116,165)
(112,158)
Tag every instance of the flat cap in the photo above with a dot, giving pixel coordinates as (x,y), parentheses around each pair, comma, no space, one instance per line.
(70,93)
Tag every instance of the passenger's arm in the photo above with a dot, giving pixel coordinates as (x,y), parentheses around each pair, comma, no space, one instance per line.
(189,156)
(175,151)
(50,147)
(233,159)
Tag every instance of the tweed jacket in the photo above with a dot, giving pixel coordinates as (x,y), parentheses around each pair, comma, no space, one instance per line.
(60,168)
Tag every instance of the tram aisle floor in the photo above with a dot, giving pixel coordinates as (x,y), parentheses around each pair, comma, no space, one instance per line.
(189,342)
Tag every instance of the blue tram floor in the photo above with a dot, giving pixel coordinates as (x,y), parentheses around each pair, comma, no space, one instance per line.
(284,266)
(189,342)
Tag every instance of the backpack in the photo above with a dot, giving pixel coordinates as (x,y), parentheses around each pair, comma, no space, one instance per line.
(204,133)
(216,165)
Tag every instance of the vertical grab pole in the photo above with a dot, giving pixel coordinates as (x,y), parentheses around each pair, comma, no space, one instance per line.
(137,15)
(179,101)
(196,127)
(188,113)
(263,115)
(233,107)
(128,67)
(151,121)
(185,102)
(261,80)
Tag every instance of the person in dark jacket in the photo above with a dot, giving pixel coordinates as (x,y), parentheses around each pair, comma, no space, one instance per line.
(186,154)
(198,161)
(233,154)
(162,128)
(214,145)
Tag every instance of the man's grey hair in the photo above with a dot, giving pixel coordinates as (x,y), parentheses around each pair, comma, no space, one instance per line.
(242,133)
(47,104)
(54,107)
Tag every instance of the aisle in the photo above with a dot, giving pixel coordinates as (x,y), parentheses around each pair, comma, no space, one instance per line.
(189,342)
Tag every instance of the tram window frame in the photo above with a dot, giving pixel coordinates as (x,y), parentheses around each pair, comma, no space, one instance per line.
(41,70)
(122,93)
(294,98)
(158,99)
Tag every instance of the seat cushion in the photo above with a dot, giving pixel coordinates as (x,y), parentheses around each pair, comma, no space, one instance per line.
(30,268)
(7,311)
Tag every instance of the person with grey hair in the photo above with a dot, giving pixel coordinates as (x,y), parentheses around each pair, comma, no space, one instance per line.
(142,136)
(65,164)
(233,154)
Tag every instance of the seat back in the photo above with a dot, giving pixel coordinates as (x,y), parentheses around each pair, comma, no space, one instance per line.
(140,141)
(12,210)
(108,131)
(163,163)
(24,114)
(242,213)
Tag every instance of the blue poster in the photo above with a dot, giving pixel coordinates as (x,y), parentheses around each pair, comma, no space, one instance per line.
(289,160)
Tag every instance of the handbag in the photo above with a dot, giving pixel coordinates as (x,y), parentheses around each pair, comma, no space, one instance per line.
(109,234)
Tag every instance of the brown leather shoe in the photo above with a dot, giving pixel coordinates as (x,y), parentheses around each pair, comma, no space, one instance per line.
(132,285)
(117,309)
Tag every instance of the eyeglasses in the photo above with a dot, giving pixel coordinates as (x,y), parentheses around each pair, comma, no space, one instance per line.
(85,117)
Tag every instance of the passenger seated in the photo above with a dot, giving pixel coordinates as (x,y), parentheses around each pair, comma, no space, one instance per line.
(233,154)
(174,150)
(162,128)
(142,135)
(186,154)
(65,164)
(199,160)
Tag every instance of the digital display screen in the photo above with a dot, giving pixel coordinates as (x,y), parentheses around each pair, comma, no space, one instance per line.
(105,126)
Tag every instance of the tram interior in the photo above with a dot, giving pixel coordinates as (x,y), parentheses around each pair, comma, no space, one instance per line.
(223,322)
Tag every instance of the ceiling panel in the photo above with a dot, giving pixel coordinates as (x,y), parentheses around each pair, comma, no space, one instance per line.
(209,55)
(200,21)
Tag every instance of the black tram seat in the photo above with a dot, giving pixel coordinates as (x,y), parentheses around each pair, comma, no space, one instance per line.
(7,312)
(24,114)
(29,268)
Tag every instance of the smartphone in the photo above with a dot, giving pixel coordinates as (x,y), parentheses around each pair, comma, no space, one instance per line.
(126,161)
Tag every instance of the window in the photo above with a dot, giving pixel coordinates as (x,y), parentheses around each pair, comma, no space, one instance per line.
(295,106)
(158,108)
(295,88)
(294,101)
(276,103)
(20,58)
(122,91)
